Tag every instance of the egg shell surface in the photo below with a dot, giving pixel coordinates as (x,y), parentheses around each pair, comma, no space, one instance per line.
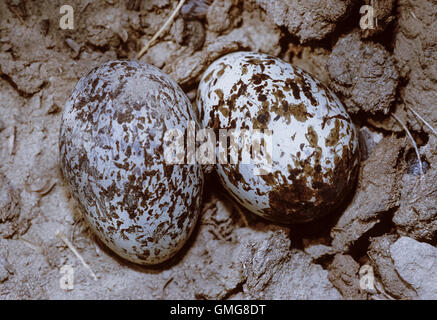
(111,147)
(314,154)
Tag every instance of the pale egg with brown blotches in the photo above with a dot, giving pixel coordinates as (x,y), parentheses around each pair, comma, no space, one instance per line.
(314,155)
(112,157)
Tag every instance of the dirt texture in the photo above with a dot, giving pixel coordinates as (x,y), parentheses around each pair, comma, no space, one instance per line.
(363,74)
(307,20)
(417,214)
(273,271)
(416,262)
(379,253)
(376,195)
(343,273)
(415,52)
(389,222)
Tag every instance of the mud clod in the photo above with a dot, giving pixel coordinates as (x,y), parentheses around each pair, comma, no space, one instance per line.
(363,74)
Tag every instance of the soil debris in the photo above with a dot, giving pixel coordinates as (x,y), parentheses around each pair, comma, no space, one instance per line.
(377,193)
(363,74)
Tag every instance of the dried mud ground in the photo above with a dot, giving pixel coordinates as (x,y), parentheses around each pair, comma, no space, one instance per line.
(380,245)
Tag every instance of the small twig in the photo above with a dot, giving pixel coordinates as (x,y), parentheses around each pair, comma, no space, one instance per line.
(166,284)
(18,15)
(412,141)
(12,141)
(85,6)
(32,245)
(413,15)
(156,35)
(61,235)
(422,119)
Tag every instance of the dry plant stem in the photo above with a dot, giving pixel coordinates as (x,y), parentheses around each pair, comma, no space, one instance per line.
(18,15)
(32,245)
(62,236)
(166,24)
(165,285)
(412,141)
(12,141)
(422,119)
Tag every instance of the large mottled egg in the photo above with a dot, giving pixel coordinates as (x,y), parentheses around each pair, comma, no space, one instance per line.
(112,156)
(305,137)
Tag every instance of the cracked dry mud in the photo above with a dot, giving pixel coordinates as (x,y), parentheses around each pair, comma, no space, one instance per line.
(389,224)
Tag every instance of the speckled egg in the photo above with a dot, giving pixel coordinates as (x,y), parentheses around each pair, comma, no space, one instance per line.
(112,157)
(314,146)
